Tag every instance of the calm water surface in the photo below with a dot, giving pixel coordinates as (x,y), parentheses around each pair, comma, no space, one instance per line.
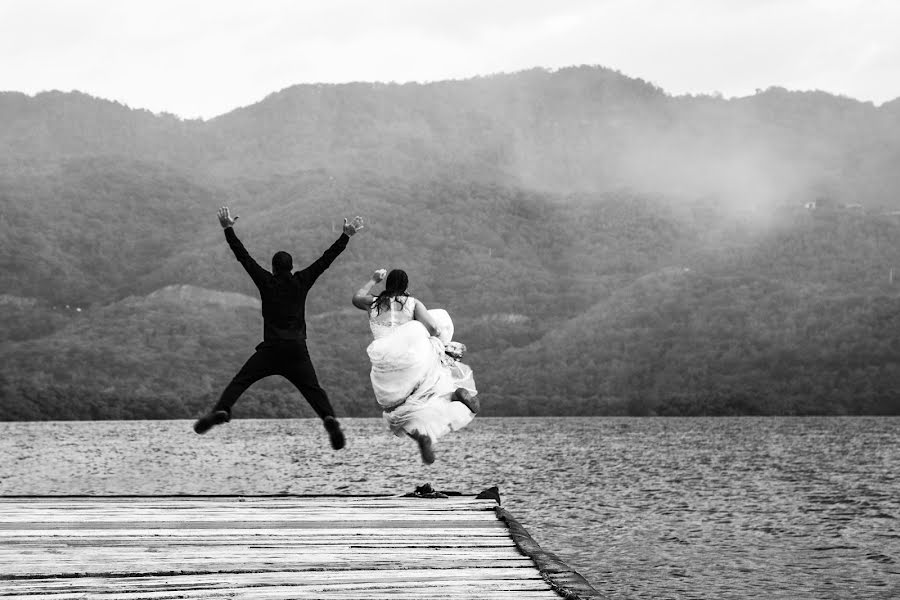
(643,508)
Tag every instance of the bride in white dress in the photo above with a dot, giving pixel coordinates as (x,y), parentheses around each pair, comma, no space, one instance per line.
(418,380)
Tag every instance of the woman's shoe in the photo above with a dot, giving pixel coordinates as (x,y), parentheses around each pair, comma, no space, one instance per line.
(471,402)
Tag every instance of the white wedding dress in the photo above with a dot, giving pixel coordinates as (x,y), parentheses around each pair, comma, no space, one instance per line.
(412,377)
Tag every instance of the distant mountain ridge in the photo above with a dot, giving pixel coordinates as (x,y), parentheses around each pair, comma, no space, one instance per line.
(549,196)
(580,128)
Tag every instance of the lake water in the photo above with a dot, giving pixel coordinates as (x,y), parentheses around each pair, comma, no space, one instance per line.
(642,507)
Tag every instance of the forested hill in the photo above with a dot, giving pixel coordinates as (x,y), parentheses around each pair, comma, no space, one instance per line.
(606,248)
(572,129)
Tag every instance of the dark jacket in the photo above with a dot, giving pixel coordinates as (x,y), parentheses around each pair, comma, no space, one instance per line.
(284,296)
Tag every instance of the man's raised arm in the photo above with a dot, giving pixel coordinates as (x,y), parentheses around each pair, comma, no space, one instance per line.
(312,272)
(255,271)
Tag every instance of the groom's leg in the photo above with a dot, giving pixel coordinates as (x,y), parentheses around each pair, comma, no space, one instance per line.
(298,369)
(258,366)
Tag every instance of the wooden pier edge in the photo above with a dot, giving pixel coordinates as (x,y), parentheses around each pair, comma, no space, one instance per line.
(559,577)
(565,581)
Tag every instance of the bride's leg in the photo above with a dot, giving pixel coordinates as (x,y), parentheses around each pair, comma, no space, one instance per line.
(426,447)
(471,402)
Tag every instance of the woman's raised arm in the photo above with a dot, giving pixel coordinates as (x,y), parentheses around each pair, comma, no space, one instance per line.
(363,299)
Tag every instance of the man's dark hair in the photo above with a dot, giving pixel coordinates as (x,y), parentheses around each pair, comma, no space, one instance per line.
(282,263)
(394,287)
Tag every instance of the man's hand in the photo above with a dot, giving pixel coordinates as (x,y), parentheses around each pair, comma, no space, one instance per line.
(378,275)
(353,226)
(225,219)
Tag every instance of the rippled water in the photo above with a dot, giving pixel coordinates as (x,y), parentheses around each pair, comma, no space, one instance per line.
(643,508)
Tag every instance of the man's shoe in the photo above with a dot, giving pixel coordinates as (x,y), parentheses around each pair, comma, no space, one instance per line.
(471,402)
(209,420)
(334,432)
(426,448)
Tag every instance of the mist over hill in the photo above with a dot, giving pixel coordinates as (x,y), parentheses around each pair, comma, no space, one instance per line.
(604,247)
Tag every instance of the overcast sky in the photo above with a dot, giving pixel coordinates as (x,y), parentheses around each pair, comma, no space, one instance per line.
(204,58)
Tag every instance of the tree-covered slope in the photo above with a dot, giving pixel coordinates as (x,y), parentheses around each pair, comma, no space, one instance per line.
(603,246)
(681,343)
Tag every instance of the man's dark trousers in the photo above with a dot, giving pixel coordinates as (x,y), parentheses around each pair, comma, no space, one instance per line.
(290,359)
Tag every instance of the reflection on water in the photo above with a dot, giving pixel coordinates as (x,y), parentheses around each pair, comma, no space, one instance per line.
(643,508)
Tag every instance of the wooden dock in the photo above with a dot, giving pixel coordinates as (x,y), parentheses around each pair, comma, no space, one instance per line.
(272,547)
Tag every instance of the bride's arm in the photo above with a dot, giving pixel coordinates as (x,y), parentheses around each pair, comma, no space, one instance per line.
(420,313)
(362,299)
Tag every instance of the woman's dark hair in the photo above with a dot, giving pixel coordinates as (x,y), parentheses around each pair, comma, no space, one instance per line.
(394,287)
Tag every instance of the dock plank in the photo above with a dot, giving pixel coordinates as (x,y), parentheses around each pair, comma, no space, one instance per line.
(265,548)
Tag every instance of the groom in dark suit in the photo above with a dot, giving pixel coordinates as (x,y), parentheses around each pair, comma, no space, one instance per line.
(283,349)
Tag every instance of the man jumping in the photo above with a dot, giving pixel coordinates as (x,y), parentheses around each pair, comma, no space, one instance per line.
(283,349)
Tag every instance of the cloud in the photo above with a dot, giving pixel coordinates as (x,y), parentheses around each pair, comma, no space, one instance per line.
(208,57)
